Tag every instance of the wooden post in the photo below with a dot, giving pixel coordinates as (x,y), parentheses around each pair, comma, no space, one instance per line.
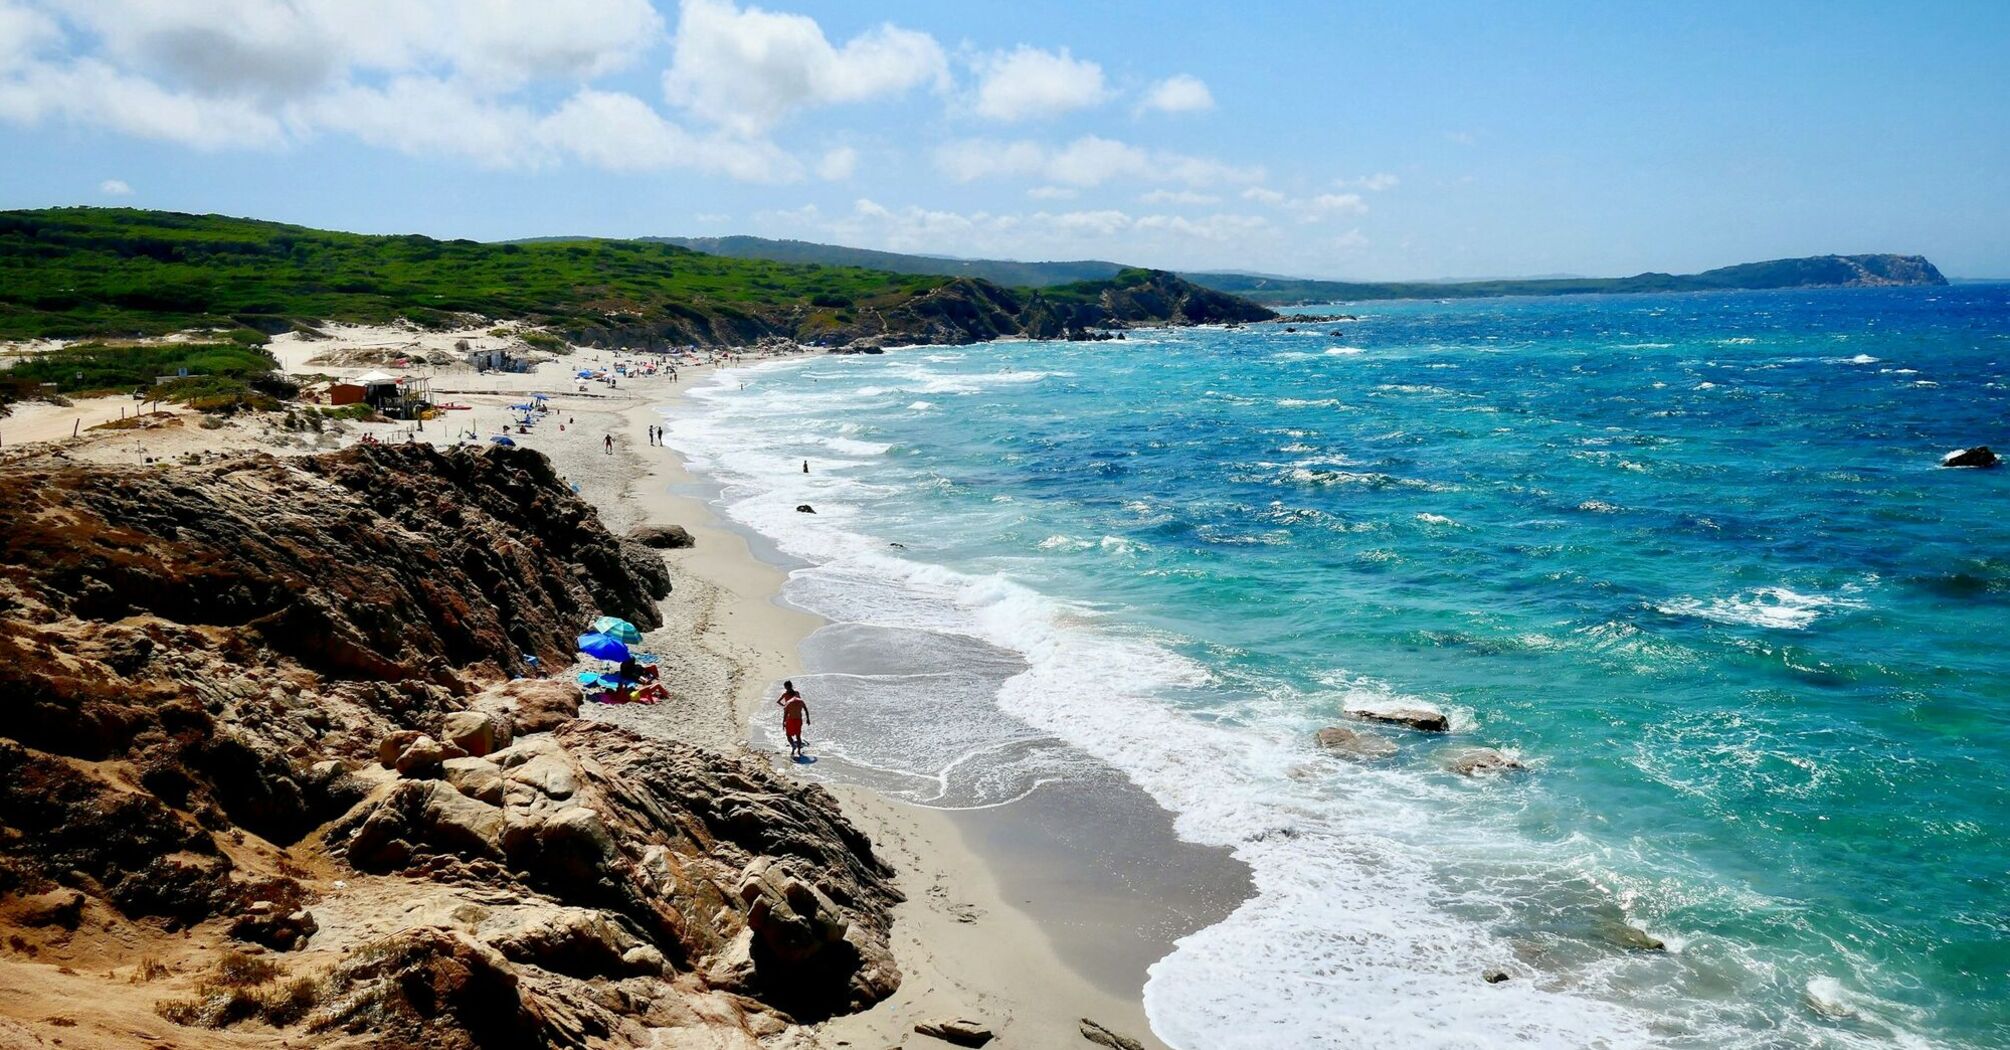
(76,426)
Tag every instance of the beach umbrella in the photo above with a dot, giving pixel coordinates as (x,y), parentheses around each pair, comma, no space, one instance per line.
(618,629)
(502,439)
(602,647)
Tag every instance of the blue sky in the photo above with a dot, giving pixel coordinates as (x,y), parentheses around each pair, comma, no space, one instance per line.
(1361,140)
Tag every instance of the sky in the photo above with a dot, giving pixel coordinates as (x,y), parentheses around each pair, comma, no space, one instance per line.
(1325,138)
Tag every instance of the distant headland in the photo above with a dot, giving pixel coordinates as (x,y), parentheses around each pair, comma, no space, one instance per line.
(1818,271)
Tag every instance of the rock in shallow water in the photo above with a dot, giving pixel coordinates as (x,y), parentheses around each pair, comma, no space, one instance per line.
(1426,719)
(1348,743)
(1482,761)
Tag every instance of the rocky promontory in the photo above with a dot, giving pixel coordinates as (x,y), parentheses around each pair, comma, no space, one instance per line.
(279,758)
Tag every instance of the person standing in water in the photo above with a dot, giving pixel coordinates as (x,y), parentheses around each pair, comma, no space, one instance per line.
(795,715)
(609,442)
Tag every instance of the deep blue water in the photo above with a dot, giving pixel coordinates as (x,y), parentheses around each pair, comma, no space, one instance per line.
(1691,558)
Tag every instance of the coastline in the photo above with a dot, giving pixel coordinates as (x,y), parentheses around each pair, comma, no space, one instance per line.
(1027,917)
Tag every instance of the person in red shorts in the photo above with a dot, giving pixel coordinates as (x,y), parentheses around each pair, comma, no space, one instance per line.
(795,714)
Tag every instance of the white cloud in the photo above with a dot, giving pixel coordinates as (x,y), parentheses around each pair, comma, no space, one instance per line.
(287,50)
(1337,203)
(711,218)
(90,92)
(837,164)
(447,78)
(747,69)
(23,32)
(1090,160)
(1179,94)
(115,188)
(1028,83)
(1308,209)
(1375,183)
(1104,232)
(1053,193)
(1178,197)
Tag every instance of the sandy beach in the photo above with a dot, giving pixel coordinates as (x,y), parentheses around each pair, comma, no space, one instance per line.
(1026,918)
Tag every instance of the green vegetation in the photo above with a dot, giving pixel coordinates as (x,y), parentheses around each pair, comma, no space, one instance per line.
(81,272)
(997,271)
(1054,278)
(222,377)
(1821,271)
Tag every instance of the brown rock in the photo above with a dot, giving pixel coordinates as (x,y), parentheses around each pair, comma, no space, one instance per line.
(473,732)
(532,705)
(959,1031)
(1102,1036)
(394,745)
(670,537)
(477,778)
(1420,718)
(1349,743)
(1482,761)
(421,758)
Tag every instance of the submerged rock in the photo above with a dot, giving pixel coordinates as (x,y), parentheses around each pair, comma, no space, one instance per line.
(1979,456)
(1426,719)
(1349,743)
(1495,976)
(1627,935)
(804,508)
(1482,761)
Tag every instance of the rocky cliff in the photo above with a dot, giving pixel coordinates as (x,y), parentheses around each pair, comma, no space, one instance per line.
(263,767)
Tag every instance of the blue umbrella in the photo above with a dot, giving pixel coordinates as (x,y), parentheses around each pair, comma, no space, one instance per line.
(602,647)
(618,629)
(502,439)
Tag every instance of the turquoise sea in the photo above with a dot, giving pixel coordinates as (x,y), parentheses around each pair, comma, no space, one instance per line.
(1690,557)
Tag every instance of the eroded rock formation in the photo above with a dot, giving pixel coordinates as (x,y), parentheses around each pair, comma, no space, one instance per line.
(268,704)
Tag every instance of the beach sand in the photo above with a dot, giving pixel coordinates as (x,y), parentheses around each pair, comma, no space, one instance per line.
(1026,918)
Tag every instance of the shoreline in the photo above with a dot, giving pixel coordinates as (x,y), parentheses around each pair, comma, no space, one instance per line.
(1027,917)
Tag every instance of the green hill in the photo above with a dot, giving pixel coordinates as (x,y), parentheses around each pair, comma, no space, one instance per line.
(997,271)
(80,272)
(1820,271)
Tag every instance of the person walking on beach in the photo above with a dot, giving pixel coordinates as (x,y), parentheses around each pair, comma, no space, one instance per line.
(795,715)
(609,442)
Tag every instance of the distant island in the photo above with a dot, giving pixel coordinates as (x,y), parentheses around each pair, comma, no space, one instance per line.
(1820,271)
(121,272)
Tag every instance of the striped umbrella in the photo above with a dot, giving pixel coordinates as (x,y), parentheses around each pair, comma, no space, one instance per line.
(618,629)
